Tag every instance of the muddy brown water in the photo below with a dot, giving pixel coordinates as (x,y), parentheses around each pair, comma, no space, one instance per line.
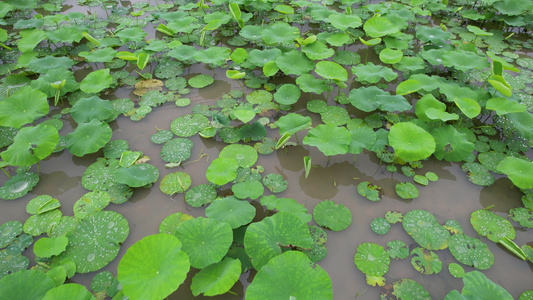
(451,197)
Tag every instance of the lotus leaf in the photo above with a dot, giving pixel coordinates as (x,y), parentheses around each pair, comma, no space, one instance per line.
(393,217)
(176,150)
(164,268)
(453,226)
(266,239)
(405,289)
(69,291)
(425,230)
(96,241)
(335,115)
(287,94)
(205,241)
(249,189)
(135,34)
(317,50)
(411,142)
(331,215)
(31,145)
(518,170)
(87,109)
(128,158)
(478,174)
(494,227)
(217,278)
(9,231)
(90,203)
(251,32)
(391,56)
(105,54)
(406,190)
(317,106)
(343,21)
(379,26)
(477,285)
(215,56)
(468,106)
(521,215)
(422,180)
(364,98)
(23,107)
(425,261)
(174,183)
(464,60)
(245,115)
(19,185)
(275,183)
(201,81)
(12,261)
(292,123)
(281,33)
(329,139)
(369,191)
(409,86)
(397,249)
(245,156)
(48,63)
(456,270)
(372,259)
(259,97)
(172,222)
(331,70)
(380,226)
(232,211)
(30,39)
(504,106)
(200,195)
(309,84)
(96,81)
(167,69)
(294,62)
(471,251)
(137,175)
(88,137)
(373,73)
(99,175)
(392,103)
(451,144)
(47,247)
(25,284)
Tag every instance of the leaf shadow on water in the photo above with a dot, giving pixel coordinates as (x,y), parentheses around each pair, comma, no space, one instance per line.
(501,189)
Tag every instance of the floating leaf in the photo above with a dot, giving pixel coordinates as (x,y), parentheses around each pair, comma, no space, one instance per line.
(369,191)
(372,73)
(205,241)
(217,278)
(478,174)
(309,84)
(31,145)
(174,183)
(425,230)
(232,211)
(292,123)
(164,268)
(266,239)
(451,144)
(201,81)
(275,183)
(9,231)
(425,261)
(25,284)
(90,203)
(96,81)
(331,215)
(521,215)
(406,190)
(471,251)
(456,270)
(252,189)
(294,62)
(405,289)
(411,142)
(137,175)
(397,249)
(489,224)
(372,259)
(200,195)
(96,241)
(88,137)
(176,150)
(379,26)
(172,222)
(504,106)
(23,107)
(344,21)
(281,33)
(519,171)
(329,139)
(68,291)
(19,185)
(380,226)
(92,108)
(331,70)
(244,155)
(287,94)
(476,284)
(47,247)
(43,223)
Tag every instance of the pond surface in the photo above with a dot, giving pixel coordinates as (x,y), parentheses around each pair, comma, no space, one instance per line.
(451,197)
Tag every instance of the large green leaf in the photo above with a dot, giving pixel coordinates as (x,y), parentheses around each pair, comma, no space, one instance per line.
(295,63)
(489,224)
(379,26)
(331,215)
(405,289)
(411,142)
(205,241)
(164,267)
(343,21)
(478,286)
(331,70)
(329,139)
(217,278)
(372,259)
(451,144)
(287,94)
(266,239)
(88,137)
(137,175)
(25,284)
(96,81)
(425,230)
(215,56)
(176,150)
(520,171)
(189,125)
(371,73)
(292,123)
(222,170)
(69,291)
(232,211)
(470,251)
(23,107)
(290,276)
(280,33)
(96,241)
(31,145)
(92,108)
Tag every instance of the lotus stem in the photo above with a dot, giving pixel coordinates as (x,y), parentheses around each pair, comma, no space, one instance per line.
(7,174)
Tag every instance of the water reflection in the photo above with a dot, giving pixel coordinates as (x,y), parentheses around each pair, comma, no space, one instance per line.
(502,196)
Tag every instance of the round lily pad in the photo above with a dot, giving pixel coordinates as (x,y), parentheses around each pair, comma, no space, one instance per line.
(331,215)
(31,145)
(231,210)
(523,216)
(489,224)
(25,284)
(206,241)
(290,275)
(222,170)
(42,204)
(162,136)
(369,191)
(164,267)
(287,94)
(422,180)
(453,226)
(471,251)
(137,175)
(88,137)
(90,203)
(11,262)
(411,142)
(456,270)
(478,174)
(405,289)
(406,190)
(518,170)
(394,217)
(69,291)
(275,183)
(425,230)
(372,259)
(114,148)
(397,249)
(200,195)
(174,183)
(317,106)
(189,125)
(9,231)
(19,185)
(329,139)
(176,150)
(96,241)
(217,278)
(252,189)
(43,223)
(244,155)
(432,176)
(171,223)
(47,247)
(380,226)
(201,81)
